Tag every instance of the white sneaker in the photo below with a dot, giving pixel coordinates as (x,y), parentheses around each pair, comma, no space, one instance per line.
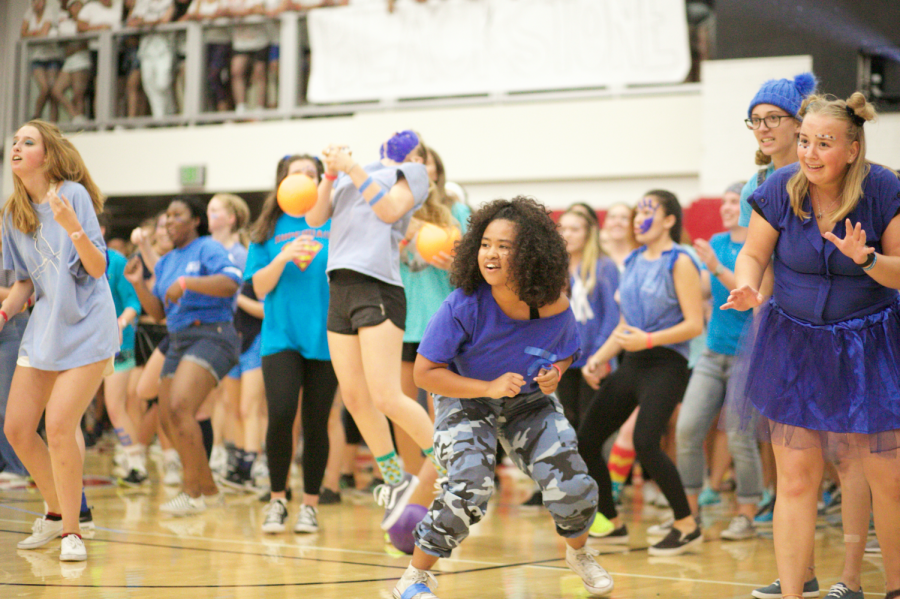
(596,580)
(276,515)
(415,584)
(172,473)
(740,528)
(218,460)
(307,520)
(183,505)
(42,532)
(72,549)
(9,480)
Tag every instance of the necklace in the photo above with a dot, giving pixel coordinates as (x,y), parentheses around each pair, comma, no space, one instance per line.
(820,213)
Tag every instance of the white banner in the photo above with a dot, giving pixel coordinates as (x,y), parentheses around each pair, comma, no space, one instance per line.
(459,47)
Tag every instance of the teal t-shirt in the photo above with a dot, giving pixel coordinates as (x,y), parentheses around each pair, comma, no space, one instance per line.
(296,309)
(747,191)
(725,326)
(426,286)
(124,295)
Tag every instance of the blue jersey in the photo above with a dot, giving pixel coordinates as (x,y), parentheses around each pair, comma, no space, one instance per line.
(200,258)
(725,326)
(296,309)
(478,340)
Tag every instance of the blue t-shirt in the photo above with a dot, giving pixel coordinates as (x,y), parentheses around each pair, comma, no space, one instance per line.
(478,340)
(202,257)
(597,313)
(749,187)
(814,281)
(74,318)
(361,241)
(426,286)
(647,293)
(296,309)
(123,294)
(725,326)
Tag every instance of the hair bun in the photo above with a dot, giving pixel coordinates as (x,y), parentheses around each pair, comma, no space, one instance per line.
(805,83)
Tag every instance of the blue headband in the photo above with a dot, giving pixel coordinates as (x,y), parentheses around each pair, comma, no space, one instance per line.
(400,145)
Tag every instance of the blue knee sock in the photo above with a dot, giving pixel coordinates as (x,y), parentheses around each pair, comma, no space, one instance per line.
(84,505)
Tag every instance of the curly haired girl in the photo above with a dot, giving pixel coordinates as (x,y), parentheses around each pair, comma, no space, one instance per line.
(493,356)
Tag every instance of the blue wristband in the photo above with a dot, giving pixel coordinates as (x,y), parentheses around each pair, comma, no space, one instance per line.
(365,185)
(377,198)
(874,260)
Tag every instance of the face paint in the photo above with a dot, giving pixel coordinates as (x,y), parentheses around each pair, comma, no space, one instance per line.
(648,222)
(824,136)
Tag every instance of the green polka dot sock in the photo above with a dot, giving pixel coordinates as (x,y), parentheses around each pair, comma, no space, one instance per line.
(391,471)
(429,453)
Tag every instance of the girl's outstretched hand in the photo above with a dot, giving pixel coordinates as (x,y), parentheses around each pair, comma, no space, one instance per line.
(743,298)
(853,245)
(507,385)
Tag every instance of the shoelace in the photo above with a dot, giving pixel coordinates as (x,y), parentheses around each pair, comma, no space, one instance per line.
(839,590)
(274,510)
(424,576)
(38,525)
(586,557)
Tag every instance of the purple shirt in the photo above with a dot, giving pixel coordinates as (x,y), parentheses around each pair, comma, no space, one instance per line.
(814,281)
(478,340)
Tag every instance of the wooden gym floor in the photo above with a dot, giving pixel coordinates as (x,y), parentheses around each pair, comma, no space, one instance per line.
(513,554)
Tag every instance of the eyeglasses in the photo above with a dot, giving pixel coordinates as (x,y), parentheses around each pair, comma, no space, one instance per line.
(772,121)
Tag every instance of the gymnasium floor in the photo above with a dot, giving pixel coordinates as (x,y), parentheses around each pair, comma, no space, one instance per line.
(513,554)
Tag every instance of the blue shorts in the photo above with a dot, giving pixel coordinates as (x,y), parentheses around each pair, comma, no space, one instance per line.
(48,65)
(250,359)
(274,51)
(214,346)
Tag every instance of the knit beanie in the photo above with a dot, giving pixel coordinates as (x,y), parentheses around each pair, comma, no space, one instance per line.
(401,144)
(786,94)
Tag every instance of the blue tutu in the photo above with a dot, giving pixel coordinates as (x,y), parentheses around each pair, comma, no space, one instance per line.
(836,387)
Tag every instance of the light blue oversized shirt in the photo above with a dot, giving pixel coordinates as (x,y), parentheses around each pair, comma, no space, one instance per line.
(74,318)
(362,242)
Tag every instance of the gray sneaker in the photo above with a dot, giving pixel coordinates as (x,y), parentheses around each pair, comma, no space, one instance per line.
(394,498)
(740,528)
(42,532)
(307,520)
(773,591)
(840,591)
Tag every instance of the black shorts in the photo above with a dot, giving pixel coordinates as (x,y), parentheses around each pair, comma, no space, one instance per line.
(147,337)
(410,351)
(357,301)
(261,55)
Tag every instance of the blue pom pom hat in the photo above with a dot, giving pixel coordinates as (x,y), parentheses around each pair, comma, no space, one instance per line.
(787,94)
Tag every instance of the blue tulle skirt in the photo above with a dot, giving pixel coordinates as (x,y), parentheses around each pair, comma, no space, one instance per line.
(836,387)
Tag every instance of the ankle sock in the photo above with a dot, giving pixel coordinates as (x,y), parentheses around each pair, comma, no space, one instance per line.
(429,453)
(84,505)
(52,517)
(390,467)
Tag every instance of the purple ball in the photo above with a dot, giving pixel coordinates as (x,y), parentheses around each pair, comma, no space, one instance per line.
(401,533)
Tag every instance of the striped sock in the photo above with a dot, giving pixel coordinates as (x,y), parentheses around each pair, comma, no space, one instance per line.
(620,462)
(429,453)
(391,470)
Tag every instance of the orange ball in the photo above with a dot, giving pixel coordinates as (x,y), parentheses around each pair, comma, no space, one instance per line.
(297,194)
(432,240)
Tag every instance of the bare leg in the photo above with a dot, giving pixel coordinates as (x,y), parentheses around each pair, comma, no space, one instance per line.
(856,506)
(336,443)
(883,475)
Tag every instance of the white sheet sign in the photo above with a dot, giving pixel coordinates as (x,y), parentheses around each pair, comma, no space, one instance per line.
(458,47)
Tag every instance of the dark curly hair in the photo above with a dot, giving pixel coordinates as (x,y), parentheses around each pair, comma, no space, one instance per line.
(538,263)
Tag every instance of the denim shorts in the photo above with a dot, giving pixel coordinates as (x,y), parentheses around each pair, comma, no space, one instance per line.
(358,301)
(215,346)
(249,360)
(53,64)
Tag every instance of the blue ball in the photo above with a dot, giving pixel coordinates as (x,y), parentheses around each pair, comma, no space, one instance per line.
(401,533)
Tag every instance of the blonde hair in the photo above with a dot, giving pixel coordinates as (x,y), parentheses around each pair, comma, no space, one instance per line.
(62,162)
(434,210)
(839,110)
(238,208)
(592,252)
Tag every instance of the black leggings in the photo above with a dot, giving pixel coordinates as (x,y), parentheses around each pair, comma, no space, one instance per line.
(575,395)
(655,380)
(285,374)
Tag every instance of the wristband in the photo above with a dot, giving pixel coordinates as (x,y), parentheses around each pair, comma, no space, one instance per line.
(718,270)
(404,243)
(365,185)
(76,235)
(871,259)
(649,341)
(330,177)
(182,283)
(558,369)
(377,198)
(5,317)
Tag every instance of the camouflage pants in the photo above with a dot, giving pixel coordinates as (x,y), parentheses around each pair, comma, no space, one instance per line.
(539,440)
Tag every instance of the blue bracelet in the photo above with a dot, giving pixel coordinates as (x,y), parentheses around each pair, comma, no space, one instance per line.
(874,260)
(377,197)
(365,185)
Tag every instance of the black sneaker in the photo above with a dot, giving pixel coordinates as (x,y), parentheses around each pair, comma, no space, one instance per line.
(135,478)
(86,520)
(328,497)
(676,543)
(618,536)
(239,480)
(267,496)
(536,500)
(348,481)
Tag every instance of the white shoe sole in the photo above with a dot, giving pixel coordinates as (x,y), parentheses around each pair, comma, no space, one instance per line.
(34,544)
(686,548)
(308,530)
(72,557)
(402,502)
(273,528)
